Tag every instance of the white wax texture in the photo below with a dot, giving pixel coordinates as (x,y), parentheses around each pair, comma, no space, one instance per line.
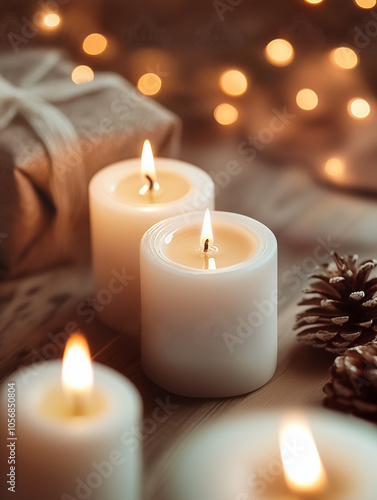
(119,216)
(239,458)
(209,333)
(60,456)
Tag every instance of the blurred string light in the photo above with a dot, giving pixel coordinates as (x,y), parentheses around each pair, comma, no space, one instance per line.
(306,99)
(279,52)
(82,74)
(358,108)
(344,57)
(233,82)
(334,167)
(314,2)
(149,84)
(225,114)
(51,20)
(365,4)
(94,44)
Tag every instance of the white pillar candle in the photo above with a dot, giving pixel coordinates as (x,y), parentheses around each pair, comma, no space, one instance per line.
(209,319)
(72,443)
(241,459)
(120,214)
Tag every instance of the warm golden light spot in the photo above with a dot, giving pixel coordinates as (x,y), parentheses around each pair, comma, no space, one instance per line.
(148,169)
(233,82)
(279,52)
(82,74)
(334,167)
(365,4)
(306,99)
(206,236)
(314,2)
(52,20)
(358,108)
(149,84)
(77,372)
(344,58)
(225,114)
(94,44)
(305,473)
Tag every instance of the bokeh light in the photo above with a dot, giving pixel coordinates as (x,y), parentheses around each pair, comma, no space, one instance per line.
(358,108)
(365,4)
(52,20)
(313,1)
(306,99)
(225,114)
(344,57)
(279,52)
(149,84)
(94,44)
(334,167)
(233,82)
(82,74)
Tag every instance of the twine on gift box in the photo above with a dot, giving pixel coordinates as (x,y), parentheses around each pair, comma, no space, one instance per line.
(34,99)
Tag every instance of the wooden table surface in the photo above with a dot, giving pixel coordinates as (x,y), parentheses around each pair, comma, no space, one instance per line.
(308,219)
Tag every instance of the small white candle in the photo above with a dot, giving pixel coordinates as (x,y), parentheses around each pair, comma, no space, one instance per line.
(72,429)
(240,458)
(209,322)
(124,203)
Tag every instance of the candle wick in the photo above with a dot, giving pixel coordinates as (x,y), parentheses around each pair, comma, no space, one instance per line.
(78,406)
(150,180)
(206,245)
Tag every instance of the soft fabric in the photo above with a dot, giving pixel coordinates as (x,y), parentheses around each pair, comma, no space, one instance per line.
(54,136)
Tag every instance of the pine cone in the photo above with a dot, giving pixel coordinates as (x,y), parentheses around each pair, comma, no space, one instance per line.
(353,384)
(343,311)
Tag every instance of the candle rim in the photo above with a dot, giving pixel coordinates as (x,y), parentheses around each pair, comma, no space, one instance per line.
(265,246)
(101,183)
(103,376)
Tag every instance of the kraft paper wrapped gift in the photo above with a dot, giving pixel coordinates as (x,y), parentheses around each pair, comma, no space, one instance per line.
(54,136)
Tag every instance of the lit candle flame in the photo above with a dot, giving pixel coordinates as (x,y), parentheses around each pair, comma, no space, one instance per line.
(303,469)
(77,372)
(148,169)
(211,264)
(206,238)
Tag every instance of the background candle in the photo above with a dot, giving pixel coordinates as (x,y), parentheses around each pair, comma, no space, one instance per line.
(65,453)
(239,458)
(209,332)
(119,217)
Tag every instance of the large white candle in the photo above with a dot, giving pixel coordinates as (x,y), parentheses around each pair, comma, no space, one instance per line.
(70,439)
(239,458)
(209,305)
(124,203)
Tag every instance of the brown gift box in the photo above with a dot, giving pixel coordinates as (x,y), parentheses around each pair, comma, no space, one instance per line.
(54,136)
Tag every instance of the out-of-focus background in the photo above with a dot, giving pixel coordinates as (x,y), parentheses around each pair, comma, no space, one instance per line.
(183,52)
(275,99)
